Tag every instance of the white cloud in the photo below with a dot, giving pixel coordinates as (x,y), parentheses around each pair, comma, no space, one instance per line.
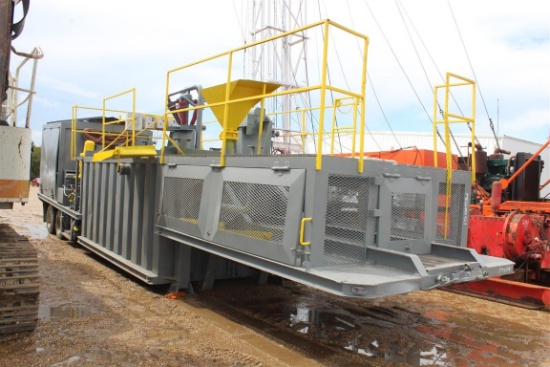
(97,48)
(45,102)
(66,87)
(533,124)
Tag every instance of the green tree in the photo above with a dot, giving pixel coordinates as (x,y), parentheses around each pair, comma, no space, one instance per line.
(35,160)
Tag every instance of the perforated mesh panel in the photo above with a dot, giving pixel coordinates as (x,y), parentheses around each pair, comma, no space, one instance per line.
(407,216)
(346,216)
(181,198)
(455,216)
(254,210)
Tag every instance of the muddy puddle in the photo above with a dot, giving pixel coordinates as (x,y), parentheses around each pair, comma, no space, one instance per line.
(32,231)
(434,328)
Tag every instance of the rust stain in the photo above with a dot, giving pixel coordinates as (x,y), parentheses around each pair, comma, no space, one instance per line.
(14,189)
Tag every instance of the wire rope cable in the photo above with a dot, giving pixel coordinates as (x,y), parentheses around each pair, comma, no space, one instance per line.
(430,85)
(402,69)
(371,84)
(328,72)
(474,74)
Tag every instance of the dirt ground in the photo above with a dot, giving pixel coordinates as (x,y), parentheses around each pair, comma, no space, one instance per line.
(93,315)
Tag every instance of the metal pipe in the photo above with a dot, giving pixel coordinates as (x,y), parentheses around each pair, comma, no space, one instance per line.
(6,14)
(36,53)
(506,182)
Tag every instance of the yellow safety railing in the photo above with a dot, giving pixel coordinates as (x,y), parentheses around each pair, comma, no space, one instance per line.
(453,81)
(351,129)
(303,132)
(228,100)
(232,100)
(106,137)
(99,134)
(131,118)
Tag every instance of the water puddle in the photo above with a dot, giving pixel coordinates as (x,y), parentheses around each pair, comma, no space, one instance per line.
(352,333)
(36,232)
(53,313)
(67,362)
(425,329)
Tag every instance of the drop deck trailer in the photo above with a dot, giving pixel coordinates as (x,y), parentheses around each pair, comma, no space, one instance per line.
(365,235)
(354,227)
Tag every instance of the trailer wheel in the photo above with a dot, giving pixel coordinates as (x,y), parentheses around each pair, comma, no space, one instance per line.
(50,219)
(58,225)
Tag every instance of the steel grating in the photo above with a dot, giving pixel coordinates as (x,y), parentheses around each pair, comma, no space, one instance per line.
(182,198)
(407,216)
(254,210)
(346,216)
(455,216)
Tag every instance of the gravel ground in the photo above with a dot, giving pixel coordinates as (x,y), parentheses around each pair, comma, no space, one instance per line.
(91,315)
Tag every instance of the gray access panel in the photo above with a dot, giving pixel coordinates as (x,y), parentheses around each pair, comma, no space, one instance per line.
(379,232)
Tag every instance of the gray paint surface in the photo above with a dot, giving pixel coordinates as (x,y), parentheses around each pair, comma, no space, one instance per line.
(371,234)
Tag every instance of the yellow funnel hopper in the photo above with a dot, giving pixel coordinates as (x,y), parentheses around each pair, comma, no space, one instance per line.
(238,89)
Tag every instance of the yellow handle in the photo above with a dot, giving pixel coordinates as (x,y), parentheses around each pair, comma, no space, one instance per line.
(302,225)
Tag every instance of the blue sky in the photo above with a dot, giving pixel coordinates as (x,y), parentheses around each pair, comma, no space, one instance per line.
(94,49)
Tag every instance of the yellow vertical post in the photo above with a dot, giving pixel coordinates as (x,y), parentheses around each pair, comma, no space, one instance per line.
(448,156)
(103,125)
(261,127)
(473,132)
(336,104)
(73,132)
(447,119)
(436,89)
(303,113)
(353,142)
(319,157)
(165,122)
(133,117)
(363,109)
(226,111)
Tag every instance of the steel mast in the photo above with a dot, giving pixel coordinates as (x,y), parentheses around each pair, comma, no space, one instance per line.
(283,61)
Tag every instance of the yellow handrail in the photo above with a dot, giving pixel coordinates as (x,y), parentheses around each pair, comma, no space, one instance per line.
(302,231)
(232,99)
(338,103)
(224,104)
(103,134)
(74,131)
(323,96)
(132,117)
(449,118)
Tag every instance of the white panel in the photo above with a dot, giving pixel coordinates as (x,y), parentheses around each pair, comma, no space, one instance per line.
(15,153)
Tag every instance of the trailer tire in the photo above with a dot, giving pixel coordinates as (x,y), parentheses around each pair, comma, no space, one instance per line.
(58,225)
(50,219)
